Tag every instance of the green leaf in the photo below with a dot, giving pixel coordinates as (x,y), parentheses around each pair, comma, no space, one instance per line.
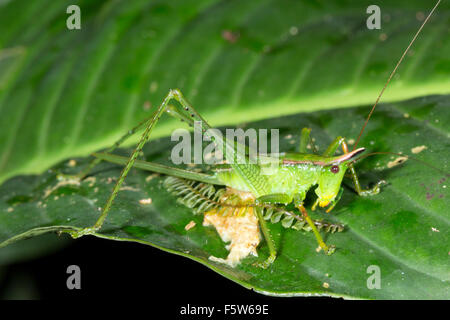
(403,230)
(67,92)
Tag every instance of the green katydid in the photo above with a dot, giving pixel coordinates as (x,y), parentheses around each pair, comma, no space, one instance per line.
(294,176)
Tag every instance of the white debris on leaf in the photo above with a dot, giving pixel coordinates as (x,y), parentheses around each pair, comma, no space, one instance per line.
(190,225)
(240,230)
(128,188)
(90,180)
(72,163)
(418,149)
(383,37)
(61,183)
(151,177)
(396,162)
(145,201)
(293,30)
(153,86)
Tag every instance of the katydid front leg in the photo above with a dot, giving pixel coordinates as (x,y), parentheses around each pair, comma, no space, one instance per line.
(340,141)
(362,192)
(333,203)
(336,200)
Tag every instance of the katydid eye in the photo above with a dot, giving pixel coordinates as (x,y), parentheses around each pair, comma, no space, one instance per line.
(334,169)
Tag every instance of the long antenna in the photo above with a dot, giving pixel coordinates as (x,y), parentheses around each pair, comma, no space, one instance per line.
(407,157)
(393,72)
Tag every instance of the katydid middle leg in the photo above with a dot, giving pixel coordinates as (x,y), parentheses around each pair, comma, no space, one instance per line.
(298,201)
(327,249)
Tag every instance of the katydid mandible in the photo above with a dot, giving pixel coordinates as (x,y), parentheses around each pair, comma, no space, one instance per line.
(294,176)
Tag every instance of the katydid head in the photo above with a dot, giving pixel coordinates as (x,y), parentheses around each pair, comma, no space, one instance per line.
(331,176)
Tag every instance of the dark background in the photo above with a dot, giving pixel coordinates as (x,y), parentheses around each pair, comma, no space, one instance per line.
(125,270)
(124,276)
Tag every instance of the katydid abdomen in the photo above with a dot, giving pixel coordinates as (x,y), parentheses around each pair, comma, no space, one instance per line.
(285,179)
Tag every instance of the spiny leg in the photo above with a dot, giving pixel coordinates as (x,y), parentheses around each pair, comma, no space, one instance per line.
(362,192)
(327,249)
(298,200)
(249,173)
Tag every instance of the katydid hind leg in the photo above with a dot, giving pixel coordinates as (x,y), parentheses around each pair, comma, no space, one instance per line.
(173,94)
(159,168)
